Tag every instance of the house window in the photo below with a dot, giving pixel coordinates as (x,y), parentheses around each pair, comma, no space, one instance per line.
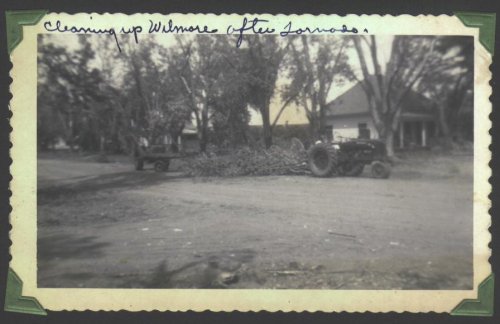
(363,131)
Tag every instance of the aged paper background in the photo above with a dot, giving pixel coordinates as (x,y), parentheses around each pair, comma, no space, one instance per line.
(24,184)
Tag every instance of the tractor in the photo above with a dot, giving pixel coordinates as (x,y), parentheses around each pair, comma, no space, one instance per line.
(349,158)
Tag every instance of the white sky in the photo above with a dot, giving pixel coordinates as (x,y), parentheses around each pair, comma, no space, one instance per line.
(292,114)
(296,115)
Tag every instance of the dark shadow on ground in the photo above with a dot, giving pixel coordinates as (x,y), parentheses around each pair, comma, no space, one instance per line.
(122,180)
(216,270)
(66,247)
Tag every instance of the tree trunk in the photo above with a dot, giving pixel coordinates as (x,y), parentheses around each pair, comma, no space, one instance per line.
(202,136)
(322,118)
(267,134)
(389,142)
(101,145)
(102,148)
(137,149)
(203,144)
(444,128)
(151,140)
(314,127)
(266,125)
(204,130)
(71,138)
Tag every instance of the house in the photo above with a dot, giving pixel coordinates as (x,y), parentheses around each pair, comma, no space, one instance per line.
(187,141)
(348,116)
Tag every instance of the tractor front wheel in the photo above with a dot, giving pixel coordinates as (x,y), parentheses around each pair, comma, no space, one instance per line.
(381,170)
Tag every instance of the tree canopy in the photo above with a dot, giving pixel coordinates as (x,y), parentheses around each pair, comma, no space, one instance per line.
(99,99)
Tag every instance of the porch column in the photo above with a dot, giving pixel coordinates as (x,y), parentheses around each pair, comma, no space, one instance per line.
(401,134)
(424,134)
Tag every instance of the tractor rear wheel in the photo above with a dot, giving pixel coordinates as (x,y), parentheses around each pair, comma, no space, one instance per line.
(381,170)
(322,160)
(162,166)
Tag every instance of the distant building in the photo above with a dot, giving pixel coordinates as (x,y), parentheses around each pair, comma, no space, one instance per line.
(188,141)
(348,116)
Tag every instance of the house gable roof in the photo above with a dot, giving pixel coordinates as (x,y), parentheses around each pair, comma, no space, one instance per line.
(351,102)
(354,102)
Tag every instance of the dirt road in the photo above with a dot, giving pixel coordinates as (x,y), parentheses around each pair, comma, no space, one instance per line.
(102,225)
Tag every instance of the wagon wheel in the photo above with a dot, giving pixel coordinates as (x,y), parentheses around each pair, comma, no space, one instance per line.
(161,166)
(167,165)
(139,164)
(380,170)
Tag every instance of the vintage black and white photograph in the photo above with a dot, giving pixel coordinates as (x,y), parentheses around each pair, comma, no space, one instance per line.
(300,162)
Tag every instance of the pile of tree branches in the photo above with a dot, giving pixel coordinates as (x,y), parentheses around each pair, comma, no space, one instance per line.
(249,162)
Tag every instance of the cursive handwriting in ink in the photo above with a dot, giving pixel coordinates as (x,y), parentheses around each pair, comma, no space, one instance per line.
(170,27)
(59,27)
(252,27)
(308,30)
(134,29)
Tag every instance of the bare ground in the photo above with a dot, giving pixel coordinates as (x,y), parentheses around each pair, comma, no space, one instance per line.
(103,225)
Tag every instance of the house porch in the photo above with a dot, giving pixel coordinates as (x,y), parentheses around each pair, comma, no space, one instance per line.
(413,133)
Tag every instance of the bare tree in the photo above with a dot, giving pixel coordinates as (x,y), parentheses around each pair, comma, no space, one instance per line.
(451,87)
(264,57)
(411,59)
(315,66)
(152,106)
